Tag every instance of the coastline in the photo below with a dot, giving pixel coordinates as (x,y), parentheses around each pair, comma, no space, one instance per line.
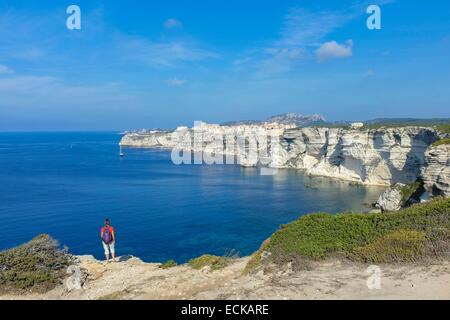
(227,160)
(373,157)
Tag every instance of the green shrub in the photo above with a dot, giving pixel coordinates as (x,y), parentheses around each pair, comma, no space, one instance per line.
(318,236)
(255,259)
(37,266)
(443,128)
(169,264)
(253,263)
(214,262)
(441,142)
(413,190)
(397,246)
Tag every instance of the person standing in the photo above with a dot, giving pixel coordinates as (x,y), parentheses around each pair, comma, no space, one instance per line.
(108,240)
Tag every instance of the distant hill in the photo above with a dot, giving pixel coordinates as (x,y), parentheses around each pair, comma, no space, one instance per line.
(318,120)
(408,121)
(297,119)
(287,118)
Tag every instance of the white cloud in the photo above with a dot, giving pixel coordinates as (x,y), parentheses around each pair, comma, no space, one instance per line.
(333,50)
(280,60)
(21,35)
(5,69)
(30,102)
(39,91)
(285,53)
(303,28)
(175,82)
(240,62)
(172,24)
(162,53)
(26,84)
(33,38)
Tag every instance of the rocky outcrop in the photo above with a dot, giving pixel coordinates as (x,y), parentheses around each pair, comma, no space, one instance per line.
(436,171)
(383,156)
(391,199)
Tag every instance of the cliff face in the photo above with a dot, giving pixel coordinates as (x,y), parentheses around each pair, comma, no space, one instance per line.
(371,157)
(436,171)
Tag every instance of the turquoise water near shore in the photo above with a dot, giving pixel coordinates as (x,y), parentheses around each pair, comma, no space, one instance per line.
(65,184)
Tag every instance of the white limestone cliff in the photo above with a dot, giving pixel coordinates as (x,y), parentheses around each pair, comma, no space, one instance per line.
(384,156)
(436,172)
(371,157)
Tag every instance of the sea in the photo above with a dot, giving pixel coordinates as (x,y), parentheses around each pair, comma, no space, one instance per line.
(66,183)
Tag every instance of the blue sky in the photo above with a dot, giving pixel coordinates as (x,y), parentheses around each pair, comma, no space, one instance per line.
(137,64)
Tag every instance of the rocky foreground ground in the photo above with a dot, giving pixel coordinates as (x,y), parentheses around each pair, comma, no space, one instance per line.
(130,278)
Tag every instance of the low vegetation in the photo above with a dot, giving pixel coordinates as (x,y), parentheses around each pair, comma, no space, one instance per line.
(207,260)
(442,125)
(255,259)
(169,264)
(37,266)
(422,230)
(397,246)
(441,142)
(411,191)
(443,128)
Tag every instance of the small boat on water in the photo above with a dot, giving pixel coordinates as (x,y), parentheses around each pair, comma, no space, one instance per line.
(121,154)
